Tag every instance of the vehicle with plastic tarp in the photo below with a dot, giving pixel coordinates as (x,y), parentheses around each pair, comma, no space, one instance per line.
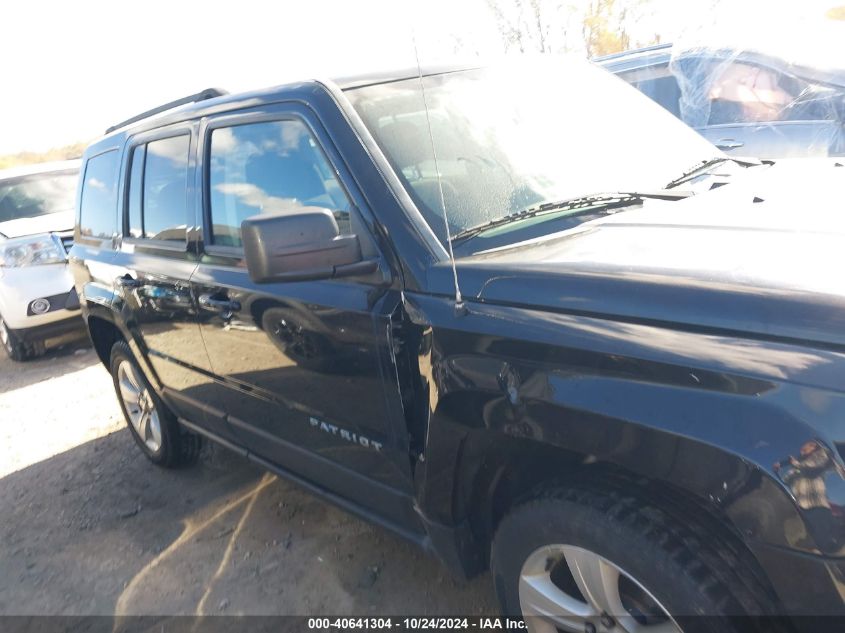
(755,94)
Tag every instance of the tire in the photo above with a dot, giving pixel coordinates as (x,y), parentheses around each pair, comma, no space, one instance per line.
(153,426)
(17,349)
(652,570)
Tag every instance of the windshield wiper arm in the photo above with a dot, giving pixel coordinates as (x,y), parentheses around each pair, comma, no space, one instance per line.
(605,201)
(703,166)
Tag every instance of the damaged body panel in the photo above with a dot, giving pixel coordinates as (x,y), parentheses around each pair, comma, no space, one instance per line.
(610,322)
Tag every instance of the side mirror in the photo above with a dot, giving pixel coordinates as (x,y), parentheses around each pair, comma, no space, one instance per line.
(300,245)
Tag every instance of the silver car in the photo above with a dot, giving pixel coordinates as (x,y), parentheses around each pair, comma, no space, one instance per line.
(37,300)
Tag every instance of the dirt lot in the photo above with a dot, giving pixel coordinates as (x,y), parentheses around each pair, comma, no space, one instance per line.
(88,526)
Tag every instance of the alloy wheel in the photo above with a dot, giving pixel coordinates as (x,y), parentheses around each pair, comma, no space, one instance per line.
(140,406)
(567,588)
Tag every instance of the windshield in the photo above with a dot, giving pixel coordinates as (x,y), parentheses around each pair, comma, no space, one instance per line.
(37,194)
(514,136)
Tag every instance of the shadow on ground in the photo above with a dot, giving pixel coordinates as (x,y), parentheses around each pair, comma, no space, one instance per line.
(74,355)
(99,530)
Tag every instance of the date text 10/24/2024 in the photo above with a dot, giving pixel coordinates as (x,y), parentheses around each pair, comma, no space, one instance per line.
(417,623)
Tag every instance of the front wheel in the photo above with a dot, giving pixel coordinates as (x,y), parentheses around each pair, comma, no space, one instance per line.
(590,561)
(151,423)
(16,348)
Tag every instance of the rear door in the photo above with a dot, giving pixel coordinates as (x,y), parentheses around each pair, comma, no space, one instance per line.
(157,255)
(299,366)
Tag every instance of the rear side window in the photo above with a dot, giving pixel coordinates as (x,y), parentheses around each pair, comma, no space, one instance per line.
(158,189)
(268,167)
(98,205)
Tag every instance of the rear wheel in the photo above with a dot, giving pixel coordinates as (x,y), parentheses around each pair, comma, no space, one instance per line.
(16,348)
(151,423)
(594,561)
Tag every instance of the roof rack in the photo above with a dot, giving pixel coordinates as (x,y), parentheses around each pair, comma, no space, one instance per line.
(208,93)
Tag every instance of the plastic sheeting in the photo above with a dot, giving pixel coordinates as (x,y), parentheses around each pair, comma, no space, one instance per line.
(766,78)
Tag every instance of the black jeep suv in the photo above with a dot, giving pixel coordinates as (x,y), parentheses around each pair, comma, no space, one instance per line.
(539,328)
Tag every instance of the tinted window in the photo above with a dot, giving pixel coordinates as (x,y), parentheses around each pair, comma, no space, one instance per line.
(746,93)
(38,194)
(136,184)
(98,207)
(268,167)
(165,189)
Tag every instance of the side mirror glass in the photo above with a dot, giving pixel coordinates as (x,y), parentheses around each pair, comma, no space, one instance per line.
(300,245)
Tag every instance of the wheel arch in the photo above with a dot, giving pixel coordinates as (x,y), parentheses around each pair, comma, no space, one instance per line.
(701,484)
(507,471)
(104,333)
(503,470)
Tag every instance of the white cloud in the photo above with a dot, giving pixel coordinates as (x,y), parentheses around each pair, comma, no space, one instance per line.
(254,196)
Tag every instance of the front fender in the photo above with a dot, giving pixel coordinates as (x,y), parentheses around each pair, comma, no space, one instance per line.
(749,426)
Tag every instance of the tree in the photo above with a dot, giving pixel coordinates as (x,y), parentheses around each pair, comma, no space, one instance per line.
(57,153)
(604,28)
(596,27)
(533,25)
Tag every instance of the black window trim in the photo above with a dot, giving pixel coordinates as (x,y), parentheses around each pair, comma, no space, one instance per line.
(145,138)
(286,112)
(93,240)
(127,224)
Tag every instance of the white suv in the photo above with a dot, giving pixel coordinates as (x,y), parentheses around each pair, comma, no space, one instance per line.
(37,298)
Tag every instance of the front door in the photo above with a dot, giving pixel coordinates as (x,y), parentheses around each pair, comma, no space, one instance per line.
(299,365)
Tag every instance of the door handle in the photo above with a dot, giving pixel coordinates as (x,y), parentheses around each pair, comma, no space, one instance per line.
(728,143)
(127,281)
(210,302)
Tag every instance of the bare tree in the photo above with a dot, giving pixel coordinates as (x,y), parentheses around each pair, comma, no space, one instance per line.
(546,26)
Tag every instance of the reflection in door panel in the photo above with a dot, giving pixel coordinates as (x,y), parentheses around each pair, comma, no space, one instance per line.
(158,304)
(285,355)
(284,361)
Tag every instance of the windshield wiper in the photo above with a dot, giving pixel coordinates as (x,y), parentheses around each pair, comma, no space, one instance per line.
(581,203)
(703,166)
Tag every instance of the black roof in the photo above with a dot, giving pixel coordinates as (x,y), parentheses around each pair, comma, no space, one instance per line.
(182,108)
(388,76)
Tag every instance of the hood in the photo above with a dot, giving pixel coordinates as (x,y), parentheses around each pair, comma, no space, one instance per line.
(764,255)
(49,223)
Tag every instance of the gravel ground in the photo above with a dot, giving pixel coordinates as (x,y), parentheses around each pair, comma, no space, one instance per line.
(89,527)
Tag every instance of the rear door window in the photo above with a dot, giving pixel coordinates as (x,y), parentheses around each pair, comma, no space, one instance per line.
(98,205)
(158,190)
(745,93)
